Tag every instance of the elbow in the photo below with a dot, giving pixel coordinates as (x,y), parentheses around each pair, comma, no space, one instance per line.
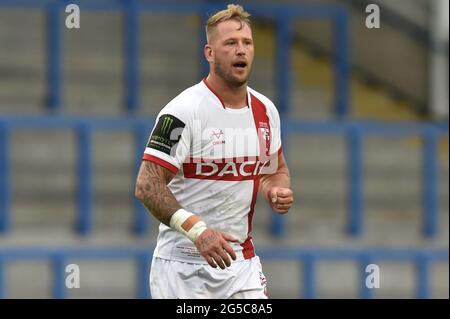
(139,192)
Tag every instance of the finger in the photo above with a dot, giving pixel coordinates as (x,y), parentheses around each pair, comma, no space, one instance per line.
(284,192)
(284,200)
(273,195)
(283,206)
(225,257)
(282,210)
(218,260)
(230,251)
(211,261)
(229,237)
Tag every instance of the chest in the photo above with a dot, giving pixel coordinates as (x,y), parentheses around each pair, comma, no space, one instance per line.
(231,135)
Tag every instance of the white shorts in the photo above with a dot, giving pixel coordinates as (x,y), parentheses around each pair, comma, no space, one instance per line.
(171,279)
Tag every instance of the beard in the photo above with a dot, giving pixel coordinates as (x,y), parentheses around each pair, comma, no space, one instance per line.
(229,78)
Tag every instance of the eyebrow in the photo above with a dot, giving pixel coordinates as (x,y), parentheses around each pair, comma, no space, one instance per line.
(234,38)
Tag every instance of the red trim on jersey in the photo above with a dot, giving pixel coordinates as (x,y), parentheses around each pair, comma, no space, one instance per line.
(214,91)
(248,249)
(262,124)
(160,162)
(280,150)
(218,96)
(246,100)
(231,169)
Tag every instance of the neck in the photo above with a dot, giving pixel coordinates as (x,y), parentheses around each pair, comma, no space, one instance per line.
(232,97)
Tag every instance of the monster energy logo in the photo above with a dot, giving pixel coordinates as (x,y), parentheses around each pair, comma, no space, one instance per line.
(167,123)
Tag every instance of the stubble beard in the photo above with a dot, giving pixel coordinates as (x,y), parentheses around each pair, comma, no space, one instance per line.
(228,78)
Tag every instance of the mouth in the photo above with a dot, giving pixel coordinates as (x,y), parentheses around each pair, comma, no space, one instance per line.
(240,65)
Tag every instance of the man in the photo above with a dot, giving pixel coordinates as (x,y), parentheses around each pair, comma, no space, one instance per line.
(212,148)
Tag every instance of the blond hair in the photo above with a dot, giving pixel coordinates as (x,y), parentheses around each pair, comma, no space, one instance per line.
(232,12)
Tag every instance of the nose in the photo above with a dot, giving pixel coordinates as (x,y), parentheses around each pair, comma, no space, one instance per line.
(240,50)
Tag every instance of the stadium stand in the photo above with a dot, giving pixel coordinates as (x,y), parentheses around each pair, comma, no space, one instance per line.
(370,171)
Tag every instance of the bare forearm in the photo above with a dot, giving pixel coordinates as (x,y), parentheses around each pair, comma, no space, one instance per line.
(279,179)
(153,192)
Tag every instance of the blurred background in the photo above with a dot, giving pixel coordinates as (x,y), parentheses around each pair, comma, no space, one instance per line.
(365,124)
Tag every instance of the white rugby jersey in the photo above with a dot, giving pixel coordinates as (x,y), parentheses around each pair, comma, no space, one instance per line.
(217,154)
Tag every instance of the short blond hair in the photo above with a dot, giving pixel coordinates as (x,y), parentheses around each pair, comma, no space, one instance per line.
(232,12)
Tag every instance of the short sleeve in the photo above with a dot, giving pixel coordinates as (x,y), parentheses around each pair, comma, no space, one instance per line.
(170,138)
(275,146)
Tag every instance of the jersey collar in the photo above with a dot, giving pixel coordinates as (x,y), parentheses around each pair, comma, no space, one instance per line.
(218,96)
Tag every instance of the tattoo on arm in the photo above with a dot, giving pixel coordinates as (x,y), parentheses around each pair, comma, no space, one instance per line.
(152,190)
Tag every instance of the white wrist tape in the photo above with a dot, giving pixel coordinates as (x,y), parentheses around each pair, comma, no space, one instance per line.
(188,224)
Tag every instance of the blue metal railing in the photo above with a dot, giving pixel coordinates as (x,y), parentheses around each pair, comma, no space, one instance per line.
(84,129)
(308,257)
(284,15)
(5,179)
(354,132)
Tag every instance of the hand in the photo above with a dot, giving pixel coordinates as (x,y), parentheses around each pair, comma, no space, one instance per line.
(280,199)
(213,246)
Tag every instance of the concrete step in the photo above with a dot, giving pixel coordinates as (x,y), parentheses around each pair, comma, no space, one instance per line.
(335,280)
(92,58)
(316,170)
(386,221)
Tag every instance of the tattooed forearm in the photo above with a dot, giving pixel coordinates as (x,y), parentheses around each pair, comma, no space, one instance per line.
(152,191)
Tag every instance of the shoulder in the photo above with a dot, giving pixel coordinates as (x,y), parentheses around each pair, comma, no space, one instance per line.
(184,104)
(271,109)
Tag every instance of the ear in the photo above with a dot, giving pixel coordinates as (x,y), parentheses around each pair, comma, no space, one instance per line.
(208,51)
